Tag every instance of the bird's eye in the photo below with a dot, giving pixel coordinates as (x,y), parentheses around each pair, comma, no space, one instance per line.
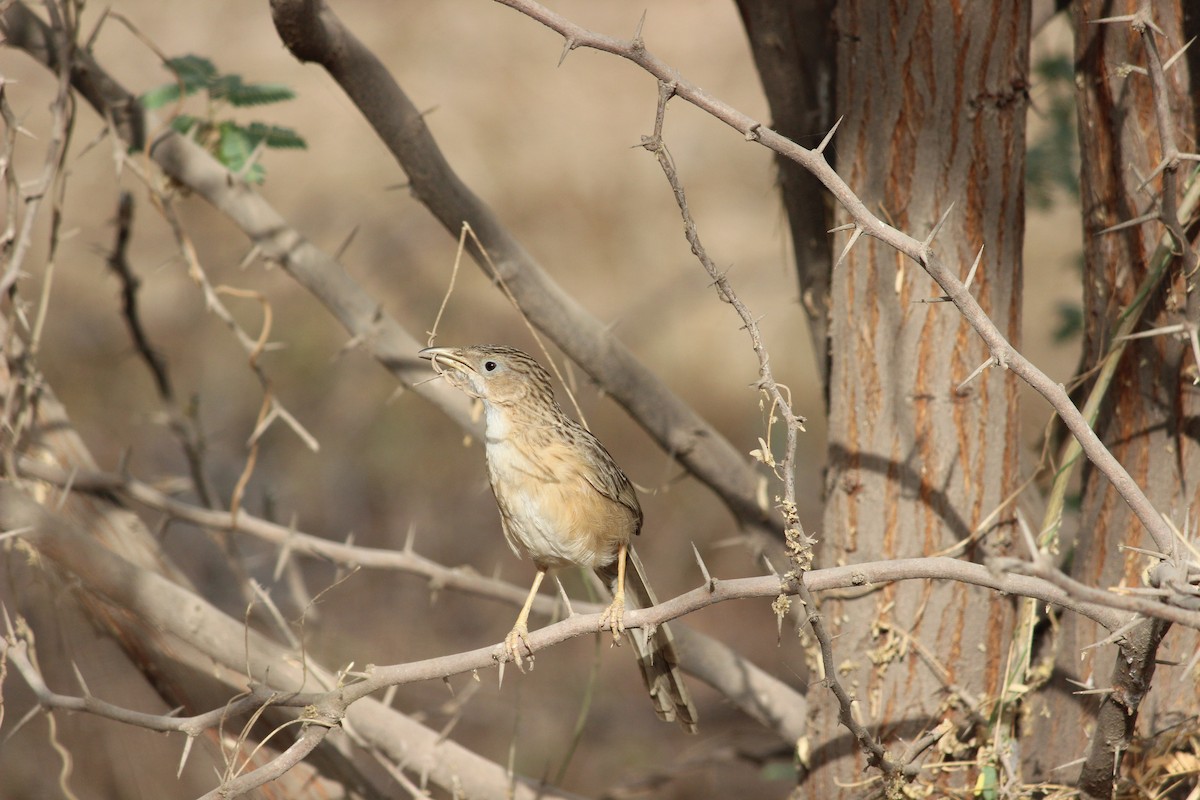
(490,366)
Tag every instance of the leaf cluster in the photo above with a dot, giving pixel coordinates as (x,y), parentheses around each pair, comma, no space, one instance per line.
(234,144)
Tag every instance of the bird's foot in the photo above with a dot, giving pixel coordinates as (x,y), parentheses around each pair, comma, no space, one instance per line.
(517,639)
(614,618)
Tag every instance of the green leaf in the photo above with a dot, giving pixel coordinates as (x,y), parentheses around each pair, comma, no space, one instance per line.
(194,72)
(1056,68)
(1052,158)
(157,98)
(220,86)
(258,94)
(777,771)
(233,90)
(184,123)
(276,136)
(1070,322)
(234,147)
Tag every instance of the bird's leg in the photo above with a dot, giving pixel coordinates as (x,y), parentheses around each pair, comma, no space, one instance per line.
(615,613)
(519,635)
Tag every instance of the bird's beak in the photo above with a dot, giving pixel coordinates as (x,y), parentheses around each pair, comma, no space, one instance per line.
(445,356)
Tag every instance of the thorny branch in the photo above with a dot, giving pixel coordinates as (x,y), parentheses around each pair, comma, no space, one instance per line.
(16,648)
(118,262)
(1102,607)
(1135,663)
(14,245)
(1143,24)
(799,544)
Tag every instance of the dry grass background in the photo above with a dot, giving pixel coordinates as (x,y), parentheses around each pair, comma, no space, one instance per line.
(553,150)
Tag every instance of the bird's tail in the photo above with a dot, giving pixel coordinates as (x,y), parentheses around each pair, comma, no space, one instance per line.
(656,655)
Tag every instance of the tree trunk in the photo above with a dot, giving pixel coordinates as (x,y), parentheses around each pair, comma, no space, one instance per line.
(934,99)
(1149,416)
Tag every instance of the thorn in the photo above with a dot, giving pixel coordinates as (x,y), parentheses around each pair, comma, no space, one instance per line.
(1162,165)
(187,749)
(285,552)
(767,562)
(568,45)
(79,677)
(1069,764)
(1110,20)
(1112,638)
(829,136)
(248,259)
(449,686)
(1148,21)
(975,266)
(410,538)
(945,298)
(345,245)
(936,229)
(637,33)
(709,580)
(846,250)
(978,370)
(1027,533)
(563,594)
(1170,62)
(33,712)
(1169,329)
(1129,223)
(1092,691)
(500,682)
(846,227)
(16,532)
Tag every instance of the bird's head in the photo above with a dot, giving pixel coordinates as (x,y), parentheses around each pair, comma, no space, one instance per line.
(494,373)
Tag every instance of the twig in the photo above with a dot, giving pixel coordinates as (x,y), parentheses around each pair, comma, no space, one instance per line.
(118,262)
(799,544)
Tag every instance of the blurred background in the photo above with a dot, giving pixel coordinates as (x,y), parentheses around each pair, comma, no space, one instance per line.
(554,150)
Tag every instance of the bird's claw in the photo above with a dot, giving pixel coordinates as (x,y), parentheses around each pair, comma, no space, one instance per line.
(517,638)
(614,619)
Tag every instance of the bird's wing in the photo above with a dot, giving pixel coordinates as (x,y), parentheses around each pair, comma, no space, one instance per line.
(607,478)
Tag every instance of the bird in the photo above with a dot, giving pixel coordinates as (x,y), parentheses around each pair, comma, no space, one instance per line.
(563,501)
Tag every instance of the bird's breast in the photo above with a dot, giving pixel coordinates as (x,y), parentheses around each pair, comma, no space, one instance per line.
(551,513)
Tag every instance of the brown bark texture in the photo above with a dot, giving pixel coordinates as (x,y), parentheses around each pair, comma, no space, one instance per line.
(1149,417)
(934,99)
